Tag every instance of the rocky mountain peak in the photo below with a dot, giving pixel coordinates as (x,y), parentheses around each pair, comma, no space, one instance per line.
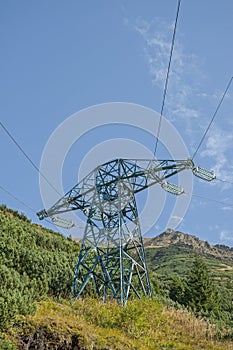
(177,238)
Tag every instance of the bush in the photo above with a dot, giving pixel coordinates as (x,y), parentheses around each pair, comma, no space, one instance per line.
(34,263)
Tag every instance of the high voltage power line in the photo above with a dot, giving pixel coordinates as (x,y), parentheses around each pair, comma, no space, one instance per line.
(209,199)
(186,193)
(167,77)
(213,117)
(17,199)
(23,203)
(226,181)
(157,136)
(33,164)
(165,93)
(27,157)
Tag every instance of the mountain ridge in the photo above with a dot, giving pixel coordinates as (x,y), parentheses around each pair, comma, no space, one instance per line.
(37,311)
(190,242)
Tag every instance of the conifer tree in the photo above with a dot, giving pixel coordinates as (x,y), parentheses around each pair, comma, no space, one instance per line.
(177,289)
(200,293)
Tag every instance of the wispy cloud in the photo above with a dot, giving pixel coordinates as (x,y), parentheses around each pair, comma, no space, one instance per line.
(218,147)
(226,208)
(186,99)
(226,235)
(185,73)
(175,221)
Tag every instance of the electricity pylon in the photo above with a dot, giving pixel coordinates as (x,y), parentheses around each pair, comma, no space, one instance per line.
(112,253)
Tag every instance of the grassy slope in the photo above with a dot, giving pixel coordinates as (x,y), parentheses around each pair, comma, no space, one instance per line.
(90,324)
(178,260)
(40,257)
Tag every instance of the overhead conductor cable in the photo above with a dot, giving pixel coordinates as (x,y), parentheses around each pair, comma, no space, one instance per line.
(213,117)
(167,77)
(28,158)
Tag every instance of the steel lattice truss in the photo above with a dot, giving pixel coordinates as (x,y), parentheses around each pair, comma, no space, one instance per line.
(112,254)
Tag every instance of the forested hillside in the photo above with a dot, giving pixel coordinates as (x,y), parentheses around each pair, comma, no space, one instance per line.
(180,264)
(35,263)
(167,257)
(37,311)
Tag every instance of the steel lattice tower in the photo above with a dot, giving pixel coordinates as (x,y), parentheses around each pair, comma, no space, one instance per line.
(112,254)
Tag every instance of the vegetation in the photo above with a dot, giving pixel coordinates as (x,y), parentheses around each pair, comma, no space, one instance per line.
(175,259)
(36,311)
(34,262)
(197,291)
(188,276)
(89,324)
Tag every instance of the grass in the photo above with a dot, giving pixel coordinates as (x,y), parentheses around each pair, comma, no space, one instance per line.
(159,260)
(142,325)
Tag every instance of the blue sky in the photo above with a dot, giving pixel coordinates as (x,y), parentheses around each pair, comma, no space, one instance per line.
(59,57)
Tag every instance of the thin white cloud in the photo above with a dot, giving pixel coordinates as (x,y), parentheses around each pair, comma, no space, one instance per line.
(184,74)
(185,96)
(213,227)
(218,147)
(226,208)
(176,220)
(226,235)
(184,104)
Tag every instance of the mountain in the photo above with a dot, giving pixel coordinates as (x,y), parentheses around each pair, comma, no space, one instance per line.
(183,240)
(172,254)
(36,311)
